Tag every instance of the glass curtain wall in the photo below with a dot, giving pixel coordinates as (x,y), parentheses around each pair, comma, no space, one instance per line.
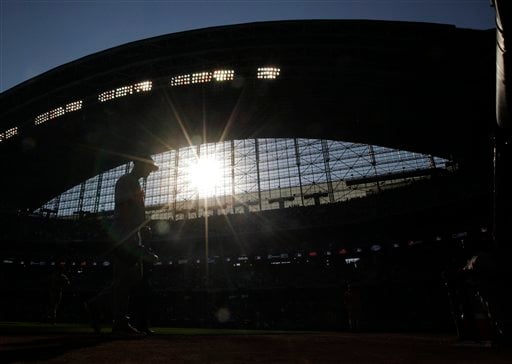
(253,175)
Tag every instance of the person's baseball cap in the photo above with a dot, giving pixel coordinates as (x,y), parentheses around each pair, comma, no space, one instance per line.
(146,159)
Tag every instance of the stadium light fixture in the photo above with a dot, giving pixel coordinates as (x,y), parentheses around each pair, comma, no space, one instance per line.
(223,75)
(268,72)
(58,112)
(180,80)
(201,77)
(144,86)
(9,133)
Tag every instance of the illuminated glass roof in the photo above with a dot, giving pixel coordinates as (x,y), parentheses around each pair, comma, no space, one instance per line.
(253,175)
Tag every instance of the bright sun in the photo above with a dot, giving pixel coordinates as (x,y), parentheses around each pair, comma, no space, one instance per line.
(205,175)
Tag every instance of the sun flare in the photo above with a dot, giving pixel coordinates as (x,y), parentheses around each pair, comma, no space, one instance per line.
(205,175)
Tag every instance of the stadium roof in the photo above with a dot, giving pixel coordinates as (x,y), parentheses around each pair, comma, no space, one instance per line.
(421,87)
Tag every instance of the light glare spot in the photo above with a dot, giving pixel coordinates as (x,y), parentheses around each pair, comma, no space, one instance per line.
(223,315)
(162,227)
(205,175)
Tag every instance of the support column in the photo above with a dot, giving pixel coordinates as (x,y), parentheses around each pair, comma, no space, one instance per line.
(297,160)
(98,193)
(256,145)
(81,200)
(371,153)
(233,199)
(175,191)
(325,154)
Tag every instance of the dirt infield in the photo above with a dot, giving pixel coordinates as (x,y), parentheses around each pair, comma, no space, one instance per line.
(231,348)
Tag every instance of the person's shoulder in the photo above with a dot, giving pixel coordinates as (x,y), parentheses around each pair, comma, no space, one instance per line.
(125,176)
(126,179)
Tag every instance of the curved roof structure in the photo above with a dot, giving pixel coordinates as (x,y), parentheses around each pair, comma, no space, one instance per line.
(426,88)
(253,175)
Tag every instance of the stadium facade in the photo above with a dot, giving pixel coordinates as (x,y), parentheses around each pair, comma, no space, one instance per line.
(254,175)
(362,150)
(423,88)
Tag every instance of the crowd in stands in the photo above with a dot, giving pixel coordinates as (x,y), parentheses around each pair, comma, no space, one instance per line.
(284,269)
(401,283)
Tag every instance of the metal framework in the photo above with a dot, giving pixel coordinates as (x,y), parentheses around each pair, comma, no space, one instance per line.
(400,84)
(255,175)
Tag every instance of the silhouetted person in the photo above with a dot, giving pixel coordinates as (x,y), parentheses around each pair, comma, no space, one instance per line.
(128,252)
(58,281)
(142,294)
(462,293)
(352,300)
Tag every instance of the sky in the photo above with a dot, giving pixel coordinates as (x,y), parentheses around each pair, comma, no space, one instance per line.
(38,35)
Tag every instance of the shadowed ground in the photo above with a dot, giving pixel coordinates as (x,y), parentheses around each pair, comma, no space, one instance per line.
(63,344)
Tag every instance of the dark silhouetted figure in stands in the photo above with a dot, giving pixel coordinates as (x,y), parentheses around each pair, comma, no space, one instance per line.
(352,300)
(58,281)
(462,297)
(486,277)
(128,253)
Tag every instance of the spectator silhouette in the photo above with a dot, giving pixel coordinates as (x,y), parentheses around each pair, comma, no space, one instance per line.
(352,300)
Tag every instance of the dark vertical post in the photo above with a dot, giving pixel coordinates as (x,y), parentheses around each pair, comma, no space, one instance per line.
(175,192)
(325,154)
(57,205)
(233,199)
(98,193)
(502,140)
(81,200)
(371,153)
(297,159)
(256,145)
(502,213)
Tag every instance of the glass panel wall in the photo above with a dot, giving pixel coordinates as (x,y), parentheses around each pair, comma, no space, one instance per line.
(252,175)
